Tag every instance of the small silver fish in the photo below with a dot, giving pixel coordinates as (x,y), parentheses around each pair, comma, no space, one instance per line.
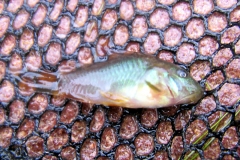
(131,81)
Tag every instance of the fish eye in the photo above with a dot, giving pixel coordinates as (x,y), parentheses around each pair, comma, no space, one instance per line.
(182,73)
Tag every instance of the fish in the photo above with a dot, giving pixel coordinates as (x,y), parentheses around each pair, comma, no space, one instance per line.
(126,80)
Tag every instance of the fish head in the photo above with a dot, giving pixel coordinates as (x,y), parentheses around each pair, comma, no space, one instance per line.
(172,85)
(183,86)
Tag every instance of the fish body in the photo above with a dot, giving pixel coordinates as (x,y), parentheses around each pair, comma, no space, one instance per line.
(132,81)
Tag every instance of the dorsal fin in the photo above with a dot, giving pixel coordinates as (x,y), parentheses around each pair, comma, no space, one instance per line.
(115,54)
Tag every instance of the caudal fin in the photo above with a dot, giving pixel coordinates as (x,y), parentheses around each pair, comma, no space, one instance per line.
(39,81)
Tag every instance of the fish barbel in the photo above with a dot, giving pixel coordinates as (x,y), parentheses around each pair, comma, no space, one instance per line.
(131,81)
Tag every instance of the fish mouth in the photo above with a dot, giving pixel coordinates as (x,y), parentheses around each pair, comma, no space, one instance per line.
(189,94)
(184,99)
(191,98)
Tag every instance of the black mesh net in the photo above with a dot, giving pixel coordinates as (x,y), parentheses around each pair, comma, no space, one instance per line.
(206,130)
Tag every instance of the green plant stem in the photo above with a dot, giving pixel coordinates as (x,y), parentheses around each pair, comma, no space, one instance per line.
(213,127)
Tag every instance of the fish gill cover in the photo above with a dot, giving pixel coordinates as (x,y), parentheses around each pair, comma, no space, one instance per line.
(200,35)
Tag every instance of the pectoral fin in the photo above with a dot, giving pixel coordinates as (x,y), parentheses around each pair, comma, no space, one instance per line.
(152,86)
(114,97)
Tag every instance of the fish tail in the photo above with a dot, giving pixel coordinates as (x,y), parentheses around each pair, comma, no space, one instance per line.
(41,81)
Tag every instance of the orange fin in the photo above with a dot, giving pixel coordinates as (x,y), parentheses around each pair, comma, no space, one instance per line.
(114,97)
